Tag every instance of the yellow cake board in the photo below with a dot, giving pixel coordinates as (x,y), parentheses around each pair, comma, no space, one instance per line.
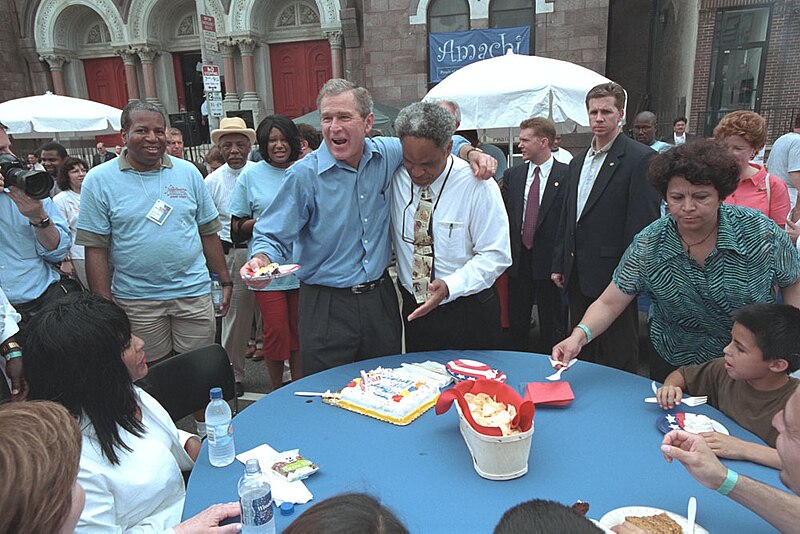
(383,417)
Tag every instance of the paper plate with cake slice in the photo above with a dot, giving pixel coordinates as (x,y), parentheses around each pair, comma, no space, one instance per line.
(472,370)
(649,519)
(272,271)
(690,422)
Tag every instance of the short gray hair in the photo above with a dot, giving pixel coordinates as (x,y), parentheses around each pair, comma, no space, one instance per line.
(452,106)
(337,86)
(132,107)
(428,121)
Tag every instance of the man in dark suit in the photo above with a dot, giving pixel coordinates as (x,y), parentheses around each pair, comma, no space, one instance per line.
(608,200)
(102,155)
(534,198)
(679,135)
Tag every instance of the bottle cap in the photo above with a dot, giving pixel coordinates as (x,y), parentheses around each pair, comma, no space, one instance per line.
(252,467)
(215,393)
(214,276)
(287,508)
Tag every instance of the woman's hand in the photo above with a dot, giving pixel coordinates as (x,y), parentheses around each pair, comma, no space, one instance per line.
(208,521)
(569,348)
(192,447)
(669,396)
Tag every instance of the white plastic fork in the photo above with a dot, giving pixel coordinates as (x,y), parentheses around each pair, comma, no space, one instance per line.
(557,375)
(688,401)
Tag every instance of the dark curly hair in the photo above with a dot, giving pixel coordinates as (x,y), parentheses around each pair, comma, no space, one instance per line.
(63,172)
(701,162)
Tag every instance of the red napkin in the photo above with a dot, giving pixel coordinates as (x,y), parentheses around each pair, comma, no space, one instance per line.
(499,391)
(549,393)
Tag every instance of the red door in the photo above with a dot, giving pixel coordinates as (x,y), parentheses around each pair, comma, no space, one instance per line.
(106,83)
(298,72)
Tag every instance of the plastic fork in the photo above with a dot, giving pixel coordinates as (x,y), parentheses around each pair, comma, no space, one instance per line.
(560,368)
(688,401)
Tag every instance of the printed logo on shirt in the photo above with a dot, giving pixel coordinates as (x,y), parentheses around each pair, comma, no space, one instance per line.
(177,192)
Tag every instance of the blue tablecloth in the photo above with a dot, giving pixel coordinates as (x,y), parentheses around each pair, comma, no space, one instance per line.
(603,448)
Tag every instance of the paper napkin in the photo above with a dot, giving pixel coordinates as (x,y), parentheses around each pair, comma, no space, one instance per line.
(282,490)
(549,393)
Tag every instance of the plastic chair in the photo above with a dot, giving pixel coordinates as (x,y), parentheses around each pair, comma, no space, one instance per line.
(181,383)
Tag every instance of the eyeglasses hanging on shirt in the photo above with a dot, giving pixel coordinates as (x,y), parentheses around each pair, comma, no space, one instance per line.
(422,263)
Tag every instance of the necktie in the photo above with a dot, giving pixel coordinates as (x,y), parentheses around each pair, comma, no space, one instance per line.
(531,211)
(422,267)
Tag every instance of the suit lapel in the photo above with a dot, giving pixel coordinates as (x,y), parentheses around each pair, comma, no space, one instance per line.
(607,170)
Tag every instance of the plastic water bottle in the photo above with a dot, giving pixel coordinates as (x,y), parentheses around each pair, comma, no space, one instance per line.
(221,450)
(216,294)
(255,498)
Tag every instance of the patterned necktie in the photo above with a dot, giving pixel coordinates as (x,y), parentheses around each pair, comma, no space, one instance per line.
(531,211)
(422,266)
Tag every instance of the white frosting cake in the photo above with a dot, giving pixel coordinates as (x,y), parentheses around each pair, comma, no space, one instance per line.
(697,423)
(394,395)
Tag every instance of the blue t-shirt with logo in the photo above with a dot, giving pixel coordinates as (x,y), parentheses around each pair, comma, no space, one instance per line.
(151,261)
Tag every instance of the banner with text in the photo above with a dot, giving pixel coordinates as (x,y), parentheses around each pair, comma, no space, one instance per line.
(451,51)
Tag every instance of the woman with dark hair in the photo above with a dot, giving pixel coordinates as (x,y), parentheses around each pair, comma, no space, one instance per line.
(349,513)
(698,265)
(744,133)
(79,352)
(69,180)
(255,189)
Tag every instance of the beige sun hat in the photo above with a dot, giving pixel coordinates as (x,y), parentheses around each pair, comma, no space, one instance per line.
(230,125)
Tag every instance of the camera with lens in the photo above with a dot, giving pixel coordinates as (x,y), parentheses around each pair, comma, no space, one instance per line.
(36,184)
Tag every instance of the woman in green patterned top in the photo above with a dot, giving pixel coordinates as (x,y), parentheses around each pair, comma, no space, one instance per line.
(698,264)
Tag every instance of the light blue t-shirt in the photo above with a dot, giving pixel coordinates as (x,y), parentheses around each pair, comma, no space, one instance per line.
(151,261)
(255,189)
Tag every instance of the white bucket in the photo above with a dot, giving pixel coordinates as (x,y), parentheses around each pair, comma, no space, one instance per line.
(497,457)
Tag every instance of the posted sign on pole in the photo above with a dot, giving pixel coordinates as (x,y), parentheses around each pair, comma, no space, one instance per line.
(209,28)
(211,78)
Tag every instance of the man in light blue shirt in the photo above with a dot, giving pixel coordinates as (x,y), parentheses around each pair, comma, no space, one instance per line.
(32,233)
(644,131)
(151,215)
(332,217)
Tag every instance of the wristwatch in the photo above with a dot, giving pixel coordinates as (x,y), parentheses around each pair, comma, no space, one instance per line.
(44,223)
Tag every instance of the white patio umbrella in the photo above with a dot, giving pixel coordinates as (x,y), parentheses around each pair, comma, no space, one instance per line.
(50,115)
(503,91)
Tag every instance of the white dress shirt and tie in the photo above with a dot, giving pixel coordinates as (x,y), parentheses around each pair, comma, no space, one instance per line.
(470,249)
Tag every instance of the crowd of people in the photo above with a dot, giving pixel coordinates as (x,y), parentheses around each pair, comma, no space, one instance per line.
(693,224)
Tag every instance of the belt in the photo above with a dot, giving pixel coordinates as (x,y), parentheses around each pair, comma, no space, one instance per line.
(366,287)
(360,289)
(226,246)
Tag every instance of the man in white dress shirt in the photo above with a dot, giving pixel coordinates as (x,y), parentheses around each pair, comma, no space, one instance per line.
(234,140)
(451,249)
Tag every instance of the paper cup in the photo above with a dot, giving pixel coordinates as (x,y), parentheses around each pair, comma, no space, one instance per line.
(497,457)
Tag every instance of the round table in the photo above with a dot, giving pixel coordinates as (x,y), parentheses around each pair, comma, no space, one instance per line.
(603,448)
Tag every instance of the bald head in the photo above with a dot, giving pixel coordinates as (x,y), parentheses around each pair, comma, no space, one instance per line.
(644,127)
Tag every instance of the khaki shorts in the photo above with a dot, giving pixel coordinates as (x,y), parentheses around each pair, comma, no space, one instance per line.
(165,325)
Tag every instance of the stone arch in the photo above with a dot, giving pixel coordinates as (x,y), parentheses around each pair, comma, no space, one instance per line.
(50,16)
(418,10)
(142,13)
(246,15)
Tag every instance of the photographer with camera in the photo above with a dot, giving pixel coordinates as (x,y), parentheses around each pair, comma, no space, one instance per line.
(32,233)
